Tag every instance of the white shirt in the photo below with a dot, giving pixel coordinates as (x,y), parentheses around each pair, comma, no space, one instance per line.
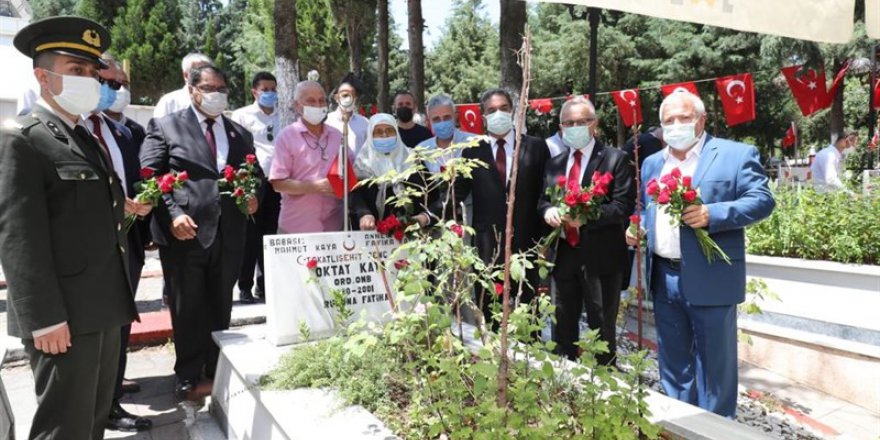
(26,101)
(172,102)
(585,159)
(826,170)
(555,145)
(255,120)
(458,137)
(667,239)
(219,137)
(112,146)
(357,129)
(508,150)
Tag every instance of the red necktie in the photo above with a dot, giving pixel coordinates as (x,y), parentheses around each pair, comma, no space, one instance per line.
(96,130)
(209,135)
(501,161)
(572,235)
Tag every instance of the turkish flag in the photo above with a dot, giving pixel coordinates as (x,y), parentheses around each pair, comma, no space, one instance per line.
(336,178)
(790,136)
(362,111)
(373,110)
(470,119)
(808,87)
(877,94)
(669,88)
(629,105)
(541,105)
(737,94)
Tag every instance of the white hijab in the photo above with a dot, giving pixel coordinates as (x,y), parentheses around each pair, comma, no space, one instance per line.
(370,163)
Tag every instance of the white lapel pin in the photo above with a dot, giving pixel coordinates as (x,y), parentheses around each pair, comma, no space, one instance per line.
(231,134)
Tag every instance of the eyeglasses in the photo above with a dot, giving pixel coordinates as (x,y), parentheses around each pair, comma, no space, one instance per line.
(206,89)
(578,123)
(113,84)
(269,135)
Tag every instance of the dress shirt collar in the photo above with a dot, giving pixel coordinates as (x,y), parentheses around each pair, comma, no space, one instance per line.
(45,105)
(218,121)
(256,108)
(586,153)
(508,141)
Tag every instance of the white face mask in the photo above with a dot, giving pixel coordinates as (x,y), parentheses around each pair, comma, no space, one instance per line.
(314,115)
(680,136)
(213,103)
(123,99)
(79,94)
(499,123)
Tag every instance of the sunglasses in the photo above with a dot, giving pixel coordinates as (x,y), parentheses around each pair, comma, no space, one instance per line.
(113,84)
(269,134)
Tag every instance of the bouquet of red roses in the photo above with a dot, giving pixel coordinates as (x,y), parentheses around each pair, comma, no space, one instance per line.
(242,183)
(673,193)
(151,187)
(392,226)
(578,203)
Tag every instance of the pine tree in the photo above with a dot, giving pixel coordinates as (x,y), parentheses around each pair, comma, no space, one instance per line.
(49,8)
(143,34)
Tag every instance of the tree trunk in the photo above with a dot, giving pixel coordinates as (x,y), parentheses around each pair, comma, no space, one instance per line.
(835,120)
(513,22)
(416,53)
(286,62)
(356,57)
(383,57)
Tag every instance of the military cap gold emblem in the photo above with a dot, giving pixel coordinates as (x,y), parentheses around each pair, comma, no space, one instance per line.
(91,36)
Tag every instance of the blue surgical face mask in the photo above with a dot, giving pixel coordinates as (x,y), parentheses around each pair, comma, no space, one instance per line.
(577,137)
(385,145)
(443,129)
(108,97)
(268,99)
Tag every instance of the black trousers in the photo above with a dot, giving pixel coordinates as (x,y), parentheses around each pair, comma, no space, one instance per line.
(135,266)
(75,389)
(200,283)
(576,289)
(491,251)
(265,223)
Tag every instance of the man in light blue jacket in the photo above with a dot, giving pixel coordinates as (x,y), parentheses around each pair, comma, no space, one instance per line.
(694,299)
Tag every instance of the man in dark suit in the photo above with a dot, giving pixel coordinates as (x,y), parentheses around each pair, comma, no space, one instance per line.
(489,189)
(124,153)
(200,233)
(62,243)
(592,271)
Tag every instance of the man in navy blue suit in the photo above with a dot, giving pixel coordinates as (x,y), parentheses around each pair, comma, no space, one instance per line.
(123,148)
(695,300)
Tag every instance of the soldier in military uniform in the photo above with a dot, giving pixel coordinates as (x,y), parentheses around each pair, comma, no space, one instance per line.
(62,240)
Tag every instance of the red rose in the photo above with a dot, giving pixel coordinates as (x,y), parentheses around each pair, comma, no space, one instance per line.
(596,177)
(398,234)
(182,176)
(229,173)
(250,159)
(664,197)
(382,227)
(573,186)
(672,185)
(499,289)
(606,178)
(147,173)
(571,199)
(239,192)
(400,264)
(689,196)
(457,229)
(634,219)
(585,197)
(560,181)
(600,191)
(392,222)
(312,263)
(442,169)
(686,182)
(165,187)
(675,173)
(653,188)
(666,179)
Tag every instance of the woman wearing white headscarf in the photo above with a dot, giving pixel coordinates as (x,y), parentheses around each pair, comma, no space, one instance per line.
(382,152)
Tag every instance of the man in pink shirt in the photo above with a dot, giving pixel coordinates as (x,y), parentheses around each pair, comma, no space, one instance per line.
(304,152)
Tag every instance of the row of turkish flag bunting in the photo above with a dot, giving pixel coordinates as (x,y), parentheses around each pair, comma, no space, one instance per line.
(737,93)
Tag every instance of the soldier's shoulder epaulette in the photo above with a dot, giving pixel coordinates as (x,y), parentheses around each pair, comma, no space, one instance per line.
(21,123)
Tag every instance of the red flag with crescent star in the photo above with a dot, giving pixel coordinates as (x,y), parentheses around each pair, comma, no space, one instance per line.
(470,119)
(669,88)
(790,136)
(629,105)
(876,92)
(809,89)
(541,105)
(737,94)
